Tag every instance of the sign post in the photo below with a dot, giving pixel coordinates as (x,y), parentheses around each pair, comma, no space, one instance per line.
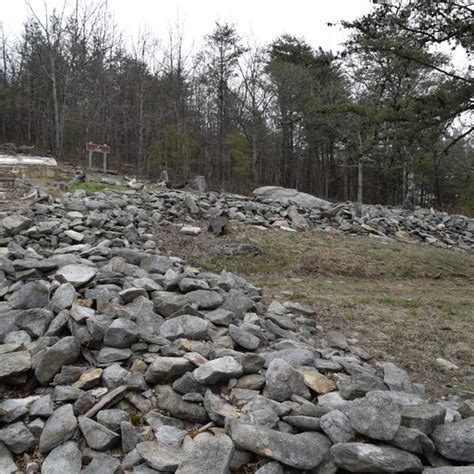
(94,148)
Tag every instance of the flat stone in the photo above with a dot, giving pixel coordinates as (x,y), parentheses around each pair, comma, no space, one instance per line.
(208,455)
(204,299)
(161,457)
(301,451)
(97,436)
(318,382)
(220,317)
(178,408)
(108,355)
(272,467)
(413,440)
(456,440)
(17,437)
(218,370)
(33,294)
(244,338)
(336,425)
(7,464)
(34,321)
(16,223)
(167,369)
(66,458)
(112,418)
(190,230)
(376,416)
(282,381)
(424,417)
(14,363)
(365,457)
(121,333)
(189,327)
(64,352)
(76,274)
(129,436)
(13,408)
(60,427)
(102,464)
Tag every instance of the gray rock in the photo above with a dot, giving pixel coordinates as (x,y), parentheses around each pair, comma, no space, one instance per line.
(413,440)
(198,183)
(102,464)
(64,352)
(189,327)
(129,436)
(167,369)
(75,274)
(450,470)
(59,428)
(112,418)
(357,386)
(170,436)
(456,440)
(7,464)
(282,381)
(64,459)
(160,457)
(43,407)
(365,457)
(423,417)
(208,455)
(13,408)
(14,363)
(376,416)
(157,264)
(301,451)
(217,370)
(218,409)
(190,284)
(35,321)
(295,357)
(121,333)
(204,299)
(97,436)
(34,294)
(397,379)
(272,467)
(177,407)
(17,437)
(337,427)
(16,223)
(244,338)
(286,196)
(108,355)
(220,317)
(113,376)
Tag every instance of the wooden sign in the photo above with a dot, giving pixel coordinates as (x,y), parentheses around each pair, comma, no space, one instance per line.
(99,148)
(94,148)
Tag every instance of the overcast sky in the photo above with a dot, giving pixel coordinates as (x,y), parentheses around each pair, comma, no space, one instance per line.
(264,19)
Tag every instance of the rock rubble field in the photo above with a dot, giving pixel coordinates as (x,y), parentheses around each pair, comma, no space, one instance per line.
(116,357)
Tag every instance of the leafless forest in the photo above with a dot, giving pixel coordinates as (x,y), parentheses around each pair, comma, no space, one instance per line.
(389,110)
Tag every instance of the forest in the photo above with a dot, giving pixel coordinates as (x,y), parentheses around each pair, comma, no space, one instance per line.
(387,119)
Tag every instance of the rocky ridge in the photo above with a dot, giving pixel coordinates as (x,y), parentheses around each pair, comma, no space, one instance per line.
(128,360)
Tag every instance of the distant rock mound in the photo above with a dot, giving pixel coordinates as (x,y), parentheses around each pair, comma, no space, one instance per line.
(286,196)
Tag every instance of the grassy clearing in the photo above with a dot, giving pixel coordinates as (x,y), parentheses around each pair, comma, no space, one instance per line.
(95,187)
(406,303)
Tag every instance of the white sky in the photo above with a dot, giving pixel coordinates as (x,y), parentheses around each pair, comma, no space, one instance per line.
(264,19)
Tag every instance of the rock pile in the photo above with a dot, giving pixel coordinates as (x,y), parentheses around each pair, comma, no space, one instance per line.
(116,358)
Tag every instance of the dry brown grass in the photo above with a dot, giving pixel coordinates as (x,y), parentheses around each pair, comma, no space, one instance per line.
(407,303)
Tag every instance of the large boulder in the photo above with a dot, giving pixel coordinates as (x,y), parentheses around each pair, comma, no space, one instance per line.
(456,440)
(286,197)
(365,457)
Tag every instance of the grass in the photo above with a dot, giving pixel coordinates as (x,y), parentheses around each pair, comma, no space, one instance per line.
(95,187)
(406,303)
